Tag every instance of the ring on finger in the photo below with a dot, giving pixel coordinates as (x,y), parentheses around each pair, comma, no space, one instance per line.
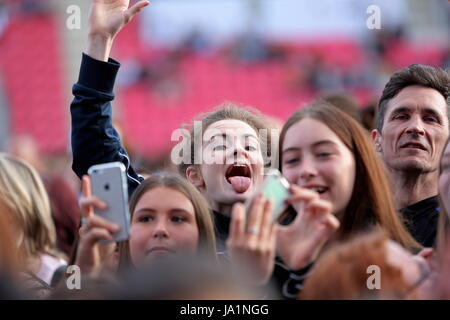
(253,230)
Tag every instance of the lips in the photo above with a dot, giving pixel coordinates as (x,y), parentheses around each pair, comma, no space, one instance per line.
(160,250)
(413,145)
(317,188)
(239,176)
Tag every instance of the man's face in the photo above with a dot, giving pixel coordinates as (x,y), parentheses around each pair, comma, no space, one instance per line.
(415,130)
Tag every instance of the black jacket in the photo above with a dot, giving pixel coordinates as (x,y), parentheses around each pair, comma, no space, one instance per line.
(94,139)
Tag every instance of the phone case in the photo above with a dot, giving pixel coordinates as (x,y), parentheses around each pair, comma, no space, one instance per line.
(109,184)
(276,188)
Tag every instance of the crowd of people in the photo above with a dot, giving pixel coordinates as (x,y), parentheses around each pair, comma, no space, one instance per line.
(359,201)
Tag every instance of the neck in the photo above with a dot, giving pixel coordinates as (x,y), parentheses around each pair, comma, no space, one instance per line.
(411,187)
(224,209)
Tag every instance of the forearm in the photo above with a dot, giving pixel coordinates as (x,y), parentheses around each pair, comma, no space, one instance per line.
(93,137)
(99,47)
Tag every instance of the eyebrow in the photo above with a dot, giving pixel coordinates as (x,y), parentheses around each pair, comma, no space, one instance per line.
(173,210)
(224,136)
(315,144)
(407,109)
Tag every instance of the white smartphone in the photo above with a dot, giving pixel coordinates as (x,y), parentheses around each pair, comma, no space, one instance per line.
(276,189)
(109,183)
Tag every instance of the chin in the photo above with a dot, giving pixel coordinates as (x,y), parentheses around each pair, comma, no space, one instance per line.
(416,166)
(239,197)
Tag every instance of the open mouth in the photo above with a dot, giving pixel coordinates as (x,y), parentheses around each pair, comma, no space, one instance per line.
(239,176)
(318,189)
(414,145)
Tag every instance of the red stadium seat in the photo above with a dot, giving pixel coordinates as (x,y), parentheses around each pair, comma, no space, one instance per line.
(32,65)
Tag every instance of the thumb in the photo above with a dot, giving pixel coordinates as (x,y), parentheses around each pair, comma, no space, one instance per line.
(134,10)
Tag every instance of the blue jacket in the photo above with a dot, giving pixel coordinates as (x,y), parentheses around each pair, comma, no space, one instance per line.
(94,139)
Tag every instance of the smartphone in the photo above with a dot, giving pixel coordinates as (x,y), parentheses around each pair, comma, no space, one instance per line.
(109,184)
(275,188)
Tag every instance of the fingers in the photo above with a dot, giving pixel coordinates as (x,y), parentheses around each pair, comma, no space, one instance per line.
(320,210)
(253,251)
(258,220)
(319,207)
(135,9)
(88,202)
(96,222)
(96,234)
(333,222)
(255,216)
(86,186)
(266,221)
(300,197)
(273,237)
(237,225)
(86,208)
(301,194)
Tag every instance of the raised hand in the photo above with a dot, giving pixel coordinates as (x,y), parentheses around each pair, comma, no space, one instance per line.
(251,245)
(106,19)
(299,243)
(91,254)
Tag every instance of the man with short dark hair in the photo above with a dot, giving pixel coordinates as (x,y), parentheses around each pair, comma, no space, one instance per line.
(412,127)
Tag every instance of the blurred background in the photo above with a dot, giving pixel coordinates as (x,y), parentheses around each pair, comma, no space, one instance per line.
(183,57)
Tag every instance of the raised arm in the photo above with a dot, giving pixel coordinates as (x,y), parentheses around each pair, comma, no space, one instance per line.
(94,139)
(106,19)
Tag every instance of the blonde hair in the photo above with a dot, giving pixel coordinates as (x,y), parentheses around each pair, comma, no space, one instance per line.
(24,197)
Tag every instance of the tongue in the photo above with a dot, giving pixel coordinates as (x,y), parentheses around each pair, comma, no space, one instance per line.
(239,184)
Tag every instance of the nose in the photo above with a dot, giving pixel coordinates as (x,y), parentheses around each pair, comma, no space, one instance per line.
(415,126)
(160,230)
(307,169)
(238,151)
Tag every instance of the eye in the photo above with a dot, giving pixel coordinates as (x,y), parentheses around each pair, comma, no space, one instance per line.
(250,148)
(430,119)
(145,219)
(400,116)
(220,148)
(177,219)
(291,160)
(323,154)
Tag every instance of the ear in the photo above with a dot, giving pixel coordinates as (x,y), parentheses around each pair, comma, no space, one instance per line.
(376,138)
(194,175)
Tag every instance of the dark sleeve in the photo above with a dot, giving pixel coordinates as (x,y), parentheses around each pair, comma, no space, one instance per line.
(94,139)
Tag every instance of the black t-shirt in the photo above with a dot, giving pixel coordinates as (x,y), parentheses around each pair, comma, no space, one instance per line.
(222,228)
(289,283)
(421,220)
